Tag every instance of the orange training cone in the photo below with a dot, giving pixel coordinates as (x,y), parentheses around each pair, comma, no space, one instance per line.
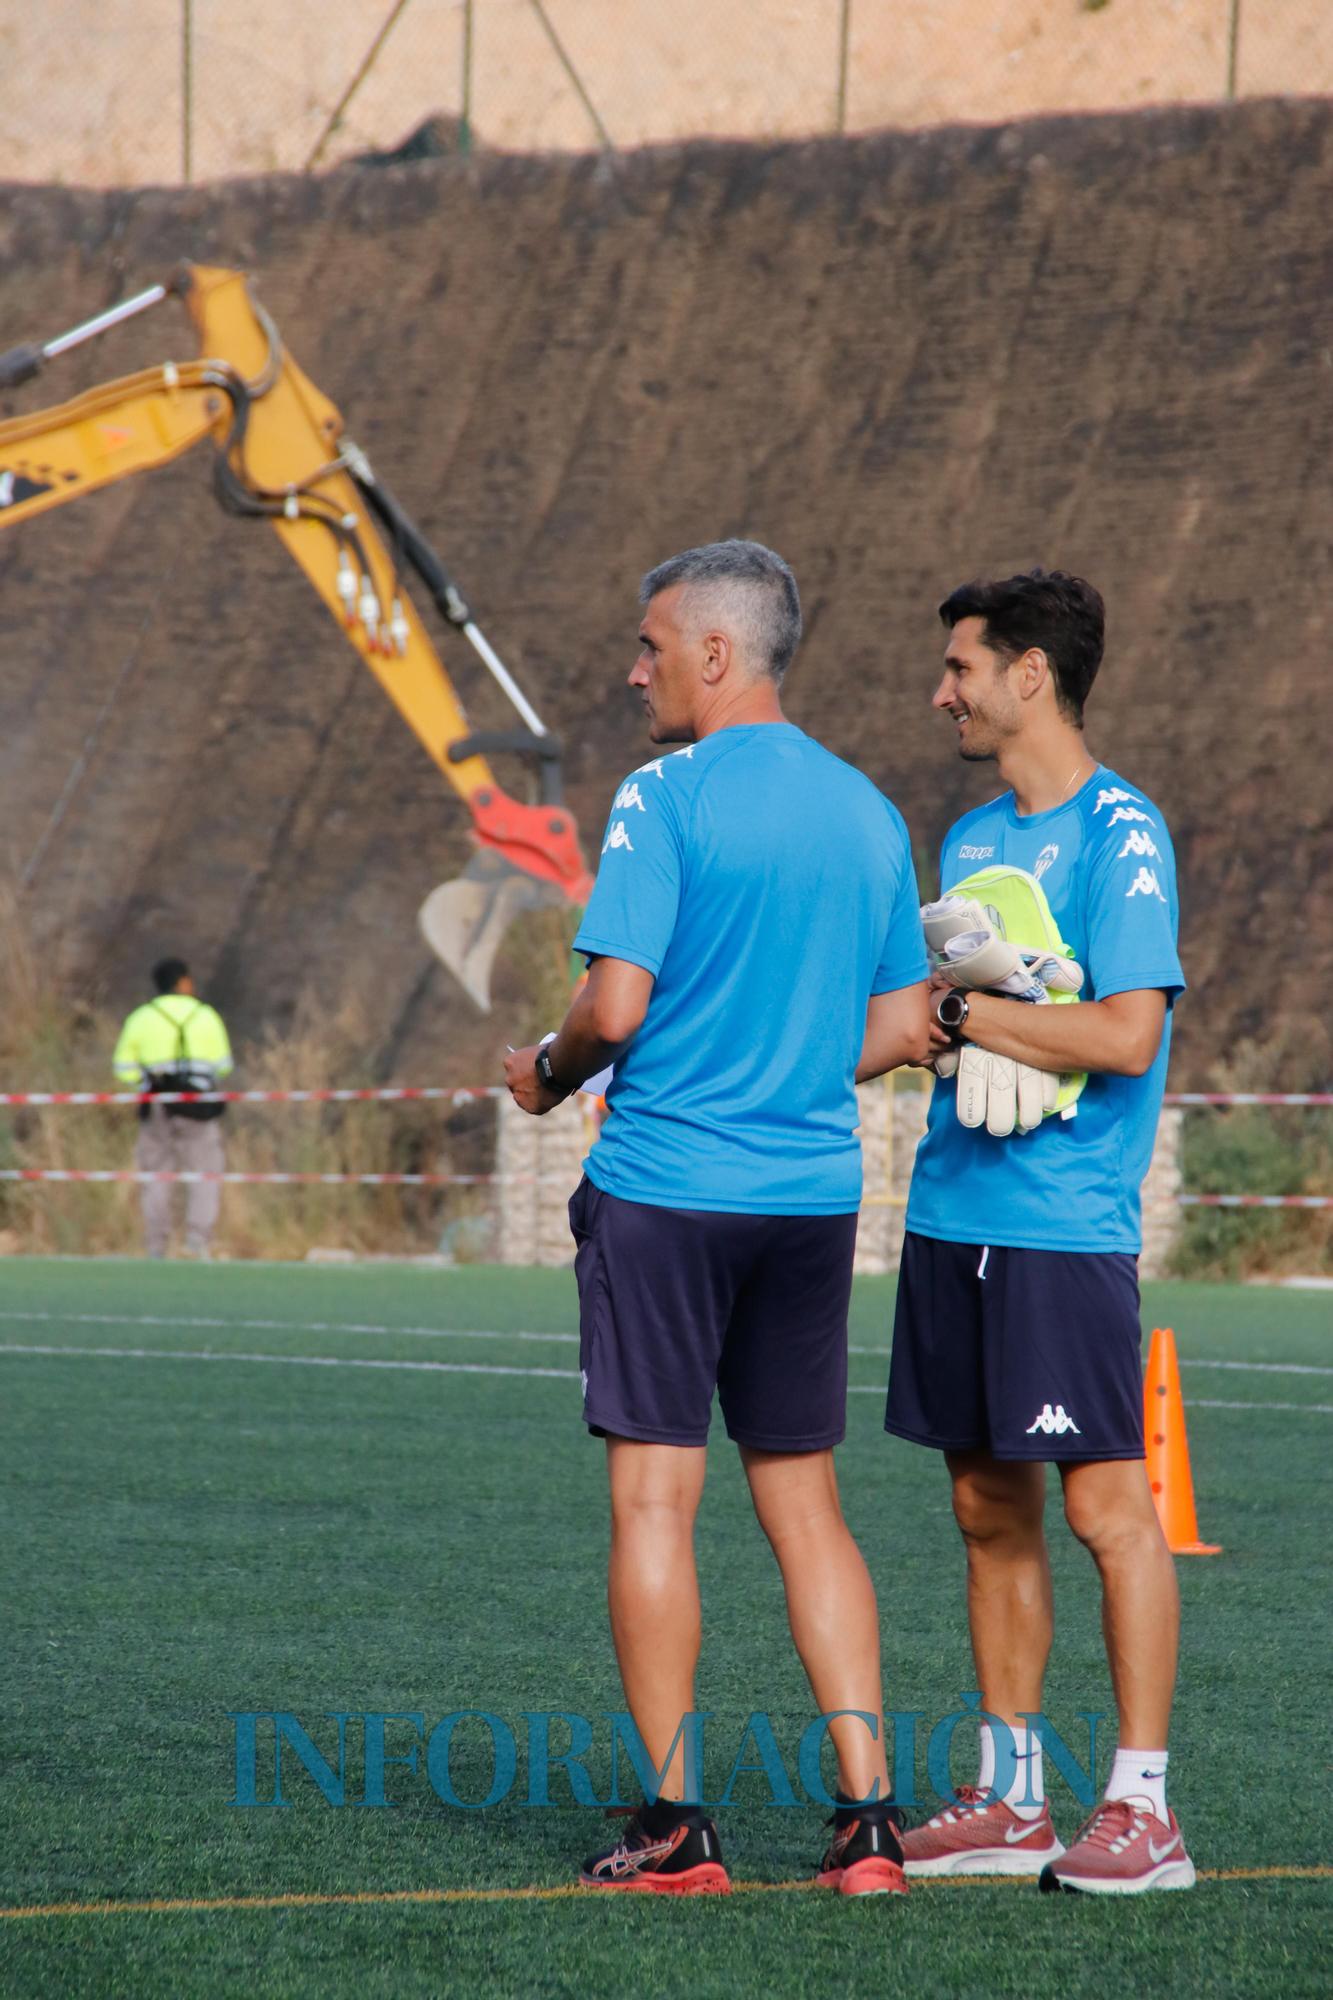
(1168,1450)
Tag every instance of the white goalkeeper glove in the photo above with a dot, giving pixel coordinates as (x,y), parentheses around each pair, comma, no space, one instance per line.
(995,1091)
(968,952)
(998,1092)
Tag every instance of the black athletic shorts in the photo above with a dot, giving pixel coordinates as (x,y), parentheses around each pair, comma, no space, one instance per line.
(677,1302)
(1022,1353)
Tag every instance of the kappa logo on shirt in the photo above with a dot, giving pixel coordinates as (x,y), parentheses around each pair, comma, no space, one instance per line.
(975,853)
(629,795)
(1054,1422)
(1113,796)
(1139,843)
(617,836)
(1145,883)
(1130,812)
(655,764)
(1049,854)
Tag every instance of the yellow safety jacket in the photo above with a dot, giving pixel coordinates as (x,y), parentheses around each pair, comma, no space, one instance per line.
(175,1037)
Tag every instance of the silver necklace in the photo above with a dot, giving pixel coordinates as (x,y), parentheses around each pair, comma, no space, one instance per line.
(1070,779)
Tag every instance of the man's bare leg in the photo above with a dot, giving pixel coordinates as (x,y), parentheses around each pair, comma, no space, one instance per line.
(653,1589)
(830,1603)
(1109,1506)
(1010,1611)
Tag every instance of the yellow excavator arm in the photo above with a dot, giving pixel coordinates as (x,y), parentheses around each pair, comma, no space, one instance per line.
(280,455)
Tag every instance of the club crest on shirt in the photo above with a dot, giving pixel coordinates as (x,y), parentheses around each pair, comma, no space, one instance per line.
(1048,854)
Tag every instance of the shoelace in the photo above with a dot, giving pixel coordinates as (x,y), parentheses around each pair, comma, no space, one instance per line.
(1114,1824)
(967,1799)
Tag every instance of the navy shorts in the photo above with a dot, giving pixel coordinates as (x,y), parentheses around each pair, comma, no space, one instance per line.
(677,1302)
(1022,1353)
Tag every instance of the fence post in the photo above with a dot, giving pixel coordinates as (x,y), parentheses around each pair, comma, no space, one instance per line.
(465,119)
(844,44)
(1233,50)
(187,85)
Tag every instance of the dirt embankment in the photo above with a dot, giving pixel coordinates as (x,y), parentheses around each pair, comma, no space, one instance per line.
(1100,343)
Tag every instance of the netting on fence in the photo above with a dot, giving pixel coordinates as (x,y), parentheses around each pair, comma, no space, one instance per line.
(169,90)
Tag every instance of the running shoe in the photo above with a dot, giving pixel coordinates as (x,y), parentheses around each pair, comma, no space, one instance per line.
(685,1860)
(976,1836)
(865,1857)
(1122,1850)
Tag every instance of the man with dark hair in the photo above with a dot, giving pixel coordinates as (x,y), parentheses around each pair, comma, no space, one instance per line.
(1017,1332)
(755,948)
(176,1043)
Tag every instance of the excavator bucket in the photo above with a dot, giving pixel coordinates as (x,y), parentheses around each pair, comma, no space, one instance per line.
(464,921)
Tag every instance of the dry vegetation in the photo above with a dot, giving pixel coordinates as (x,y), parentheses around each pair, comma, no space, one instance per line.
(52,1041)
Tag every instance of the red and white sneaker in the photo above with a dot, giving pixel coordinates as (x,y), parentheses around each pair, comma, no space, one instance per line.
(974,1838)
(1122,1850)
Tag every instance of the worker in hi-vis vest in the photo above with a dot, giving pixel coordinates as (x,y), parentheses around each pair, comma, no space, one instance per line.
(176,1042)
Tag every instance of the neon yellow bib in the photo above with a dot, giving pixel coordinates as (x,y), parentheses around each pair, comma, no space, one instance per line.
(1016,904)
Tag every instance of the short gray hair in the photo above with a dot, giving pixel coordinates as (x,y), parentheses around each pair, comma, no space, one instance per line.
(749,586)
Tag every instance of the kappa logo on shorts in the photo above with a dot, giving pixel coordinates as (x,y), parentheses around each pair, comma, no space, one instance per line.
(1054,1422)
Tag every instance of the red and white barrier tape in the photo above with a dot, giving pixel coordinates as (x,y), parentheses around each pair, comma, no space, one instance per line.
(515,1180)
(1255,1200)
(381,1096)
(1221,1099)
(1225,1099)
(272,1180)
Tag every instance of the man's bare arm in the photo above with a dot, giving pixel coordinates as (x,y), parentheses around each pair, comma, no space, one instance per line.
(602,1021)
(1119,1036)
(897,1031)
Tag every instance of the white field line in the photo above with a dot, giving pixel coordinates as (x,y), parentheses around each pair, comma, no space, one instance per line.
(292,1360)
(475,1333)
(281,1326)
(470,1368)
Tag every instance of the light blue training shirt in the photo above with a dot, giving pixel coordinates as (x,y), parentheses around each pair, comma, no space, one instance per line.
(1106,864)
(769,889)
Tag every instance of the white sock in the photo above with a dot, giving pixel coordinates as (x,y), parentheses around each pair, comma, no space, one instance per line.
(986,1775)
(1140,1775)
(1027,1785)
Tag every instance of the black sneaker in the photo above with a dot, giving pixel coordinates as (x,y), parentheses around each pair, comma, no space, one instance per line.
(866,1856)
(662,1852)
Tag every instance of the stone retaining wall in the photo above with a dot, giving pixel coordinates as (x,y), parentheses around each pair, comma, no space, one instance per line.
(545,1156)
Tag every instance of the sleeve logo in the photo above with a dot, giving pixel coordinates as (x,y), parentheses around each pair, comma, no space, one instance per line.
(617,836)
(630,795)
(1139,843)
(1145,883)
(1130,812)
(654,765)
(1113,796)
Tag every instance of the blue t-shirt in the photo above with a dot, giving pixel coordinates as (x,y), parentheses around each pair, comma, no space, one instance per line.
(1105,862)
(768,887)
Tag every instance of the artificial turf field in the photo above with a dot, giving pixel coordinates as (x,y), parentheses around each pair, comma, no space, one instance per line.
(185,1537)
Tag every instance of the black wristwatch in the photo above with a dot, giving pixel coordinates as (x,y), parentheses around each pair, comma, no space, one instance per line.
(951,1011)
(546,1076)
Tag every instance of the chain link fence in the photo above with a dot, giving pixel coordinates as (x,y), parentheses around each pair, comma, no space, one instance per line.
(128,92)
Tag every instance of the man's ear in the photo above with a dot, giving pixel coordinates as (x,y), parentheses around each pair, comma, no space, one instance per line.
(1033,671)
(718,653)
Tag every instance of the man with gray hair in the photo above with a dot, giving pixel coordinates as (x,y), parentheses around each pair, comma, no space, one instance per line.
(755,948)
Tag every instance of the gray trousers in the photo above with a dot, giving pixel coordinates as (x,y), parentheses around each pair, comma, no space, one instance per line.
(183,1146)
